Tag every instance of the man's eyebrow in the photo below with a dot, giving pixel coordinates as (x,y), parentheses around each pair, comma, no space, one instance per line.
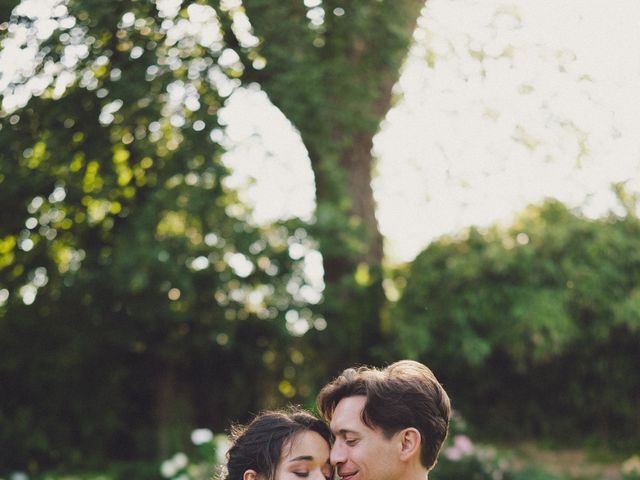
(344,431)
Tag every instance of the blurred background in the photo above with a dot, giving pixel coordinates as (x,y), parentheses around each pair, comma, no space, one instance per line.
(212,208)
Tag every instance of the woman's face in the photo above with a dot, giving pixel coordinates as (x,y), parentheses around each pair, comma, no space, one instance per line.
(307,456)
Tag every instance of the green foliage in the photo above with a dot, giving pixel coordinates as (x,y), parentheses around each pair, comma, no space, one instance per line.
(534,473)
(471,467)
(533,329)
(115,471)
(137,300)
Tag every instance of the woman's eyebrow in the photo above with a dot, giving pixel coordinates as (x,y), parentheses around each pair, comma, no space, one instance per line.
(301,457)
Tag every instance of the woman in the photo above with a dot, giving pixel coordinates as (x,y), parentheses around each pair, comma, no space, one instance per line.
(280,445)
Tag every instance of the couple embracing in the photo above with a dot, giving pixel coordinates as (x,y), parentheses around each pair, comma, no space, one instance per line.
(383,425)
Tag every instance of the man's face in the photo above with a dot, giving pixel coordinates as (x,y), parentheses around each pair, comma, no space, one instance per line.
(359,452)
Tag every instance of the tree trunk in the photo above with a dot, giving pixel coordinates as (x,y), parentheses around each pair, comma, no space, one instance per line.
(357,163)
(334,83)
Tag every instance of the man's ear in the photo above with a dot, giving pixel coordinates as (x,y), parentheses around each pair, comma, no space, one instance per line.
(250,475)
(410,442)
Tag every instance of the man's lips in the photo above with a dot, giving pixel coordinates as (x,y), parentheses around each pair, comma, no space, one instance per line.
(346,475)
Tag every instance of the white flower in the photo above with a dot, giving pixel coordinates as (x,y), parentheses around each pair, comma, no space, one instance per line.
(201,435)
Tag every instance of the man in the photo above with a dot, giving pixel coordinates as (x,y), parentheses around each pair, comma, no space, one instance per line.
(388,424)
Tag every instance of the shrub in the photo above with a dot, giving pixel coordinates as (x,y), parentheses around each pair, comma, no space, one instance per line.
(533,329)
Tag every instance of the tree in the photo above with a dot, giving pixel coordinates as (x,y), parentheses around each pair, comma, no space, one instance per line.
(122,247)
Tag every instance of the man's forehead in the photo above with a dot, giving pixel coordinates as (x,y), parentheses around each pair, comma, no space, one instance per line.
(347,415)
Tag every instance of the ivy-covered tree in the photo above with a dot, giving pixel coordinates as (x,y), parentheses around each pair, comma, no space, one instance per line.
(330,66)
(135,294)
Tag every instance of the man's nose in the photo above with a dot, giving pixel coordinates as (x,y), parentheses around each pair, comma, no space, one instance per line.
(338,454)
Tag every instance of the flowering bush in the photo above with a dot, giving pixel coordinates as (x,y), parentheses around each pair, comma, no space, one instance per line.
(462,459)
(201,465)
(631,468)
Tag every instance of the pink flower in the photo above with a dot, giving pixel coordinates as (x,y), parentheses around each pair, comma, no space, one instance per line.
(462,446)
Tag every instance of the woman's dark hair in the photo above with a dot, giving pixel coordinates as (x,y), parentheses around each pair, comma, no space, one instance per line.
(259,445)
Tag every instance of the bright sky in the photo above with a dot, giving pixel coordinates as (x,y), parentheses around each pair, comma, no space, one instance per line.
(552,110)
(519,100)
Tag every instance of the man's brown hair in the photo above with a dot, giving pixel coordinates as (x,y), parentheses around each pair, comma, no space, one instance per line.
(405,394)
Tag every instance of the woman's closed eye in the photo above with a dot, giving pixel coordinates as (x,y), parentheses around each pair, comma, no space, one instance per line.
(328,476)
